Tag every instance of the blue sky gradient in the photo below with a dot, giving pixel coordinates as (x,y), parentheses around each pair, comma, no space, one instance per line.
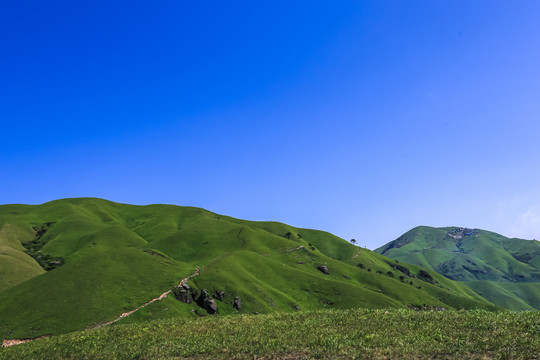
(362,118)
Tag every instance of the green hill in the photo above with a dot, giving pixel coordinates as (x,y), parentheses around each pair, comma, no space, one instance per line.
(15,265)
(505,271)
(93,260)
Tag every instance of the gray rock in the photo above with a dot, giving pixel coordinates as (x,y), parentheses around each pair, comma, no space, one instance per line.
(183,295)
(219,295)
(237,303)
(206,302)
(204,294)
(210,306)
(323,269)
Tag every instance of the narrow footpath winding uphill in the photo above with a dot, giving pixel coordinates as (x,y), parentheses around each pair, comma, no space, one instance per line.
(160,297)
(11,342)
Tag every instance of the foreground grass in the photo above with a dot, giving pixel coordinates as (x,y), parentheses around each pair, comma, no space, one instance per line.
(368,334)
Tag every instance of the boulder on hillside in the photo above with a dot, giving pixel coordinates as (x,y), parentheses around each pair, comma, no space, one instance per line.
(206,302)
(204,295)
(323,269)
(237,303)
(219,295)
(184,295)
(210,306)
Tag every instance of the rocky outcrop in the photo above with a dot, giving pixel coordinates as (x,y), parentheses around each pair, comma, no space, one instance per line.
(206,302)
(184,294)
(237,303)
(323,269)
(210,306)
(219,295)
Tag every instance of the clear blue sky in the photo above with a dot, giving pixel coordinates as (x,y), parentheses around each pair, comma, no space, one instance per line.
(362,118)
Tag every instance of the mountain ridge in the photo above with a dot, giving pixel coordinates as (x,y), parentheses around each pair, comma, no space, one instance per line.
(484,260)
(105,258)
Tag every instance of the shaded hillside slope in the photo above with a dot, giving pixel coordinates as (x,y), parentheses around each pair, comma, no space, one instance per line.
(104,259)
(505,271)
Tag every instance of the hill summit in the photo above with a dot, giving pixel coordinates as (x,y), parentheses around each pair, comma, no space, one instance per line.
(504,270)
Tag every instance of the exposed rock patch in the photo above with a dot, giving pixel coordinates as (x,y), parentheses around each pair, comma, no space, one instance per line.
(219,295)
(206,302)
(237,303)
(184,296)
(323,269)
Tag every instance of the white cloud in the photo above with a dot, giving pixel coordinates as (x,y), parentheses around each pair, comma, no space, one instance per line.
(528,224)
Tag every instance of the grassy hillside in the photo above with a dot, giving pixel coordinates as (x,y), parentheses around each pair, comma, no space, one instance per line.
(15,265)
(515,296)
(98,259)
(328,334)
(503,270)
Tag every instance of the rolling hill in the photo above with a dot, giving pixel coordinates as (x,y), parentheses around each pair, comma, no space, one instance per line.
(78,263)
(503,270)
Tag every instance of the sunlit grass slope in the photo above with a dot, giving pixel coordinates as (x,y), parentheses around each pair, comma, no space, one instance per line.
(15,265)
(326,334)
(503,270)
(106,258)
(515,296)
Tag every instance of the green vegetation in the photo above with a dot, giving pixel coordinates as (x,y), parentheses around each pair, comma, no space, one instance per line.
(515,296)
(332,334)
(33,248)
(16,266)
(117,257)
(504,271)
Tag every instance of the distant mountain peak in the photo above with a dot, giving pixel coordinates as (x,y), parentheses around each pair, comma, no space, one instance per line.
(474,255)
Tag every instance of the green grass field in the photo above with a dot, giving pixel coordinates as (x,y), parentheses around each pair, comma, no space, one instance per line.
(327,334)
(106,258)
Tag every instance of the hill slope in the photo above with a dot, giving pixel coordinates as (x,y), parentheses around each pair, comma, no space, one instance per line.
(503,270)
(99,259)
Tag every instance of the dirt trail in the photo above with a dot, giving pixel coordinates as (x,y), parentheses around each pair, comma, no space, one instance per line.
(160,297)
(358,253)
(285,251)
(11,342)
